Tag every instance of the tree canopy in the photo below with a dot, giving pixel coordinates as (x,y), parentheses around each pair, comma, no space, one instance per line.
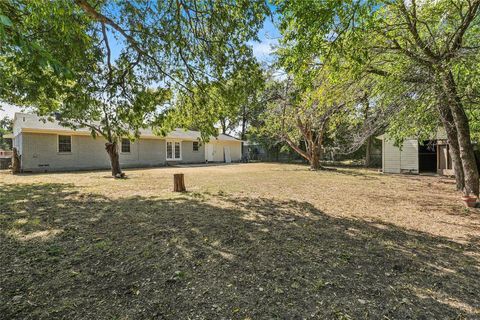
(424,48)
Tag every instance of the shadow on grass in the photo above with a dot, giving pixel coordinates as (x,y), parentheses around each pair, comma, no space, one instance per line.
(66,254)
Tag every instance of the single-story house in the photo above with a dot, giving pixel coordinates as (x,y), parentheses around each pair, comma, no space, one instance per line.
(430,156)
(5,153)
(47,146)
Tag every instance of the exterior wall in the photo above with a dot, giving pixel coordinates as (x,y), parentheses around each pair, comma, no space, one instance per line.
(235,149)
(391,157)
(396,160)
(409,156)
(150,152)
(18,143)
(218,150)
(40,153)
(190,156)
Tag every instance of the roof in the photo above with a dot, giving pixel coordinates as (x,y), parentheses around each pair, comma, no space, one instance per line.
(28,122)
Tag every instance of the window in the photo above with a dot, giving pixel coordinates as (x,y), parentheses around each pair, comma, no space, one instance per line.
(195,145)
(125,146)
(174,150)
(64,144)
(169,150)
(177,150)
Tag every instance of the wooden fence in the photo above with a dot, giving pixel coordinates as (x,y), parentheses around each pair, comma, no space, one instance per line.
(5,163)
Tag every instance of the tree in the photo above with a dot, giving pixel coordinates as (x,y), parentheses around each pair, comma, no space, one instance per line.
(430,44)
(115,87)
(115,103)
(303,118)
(183,41)
(44,47)
(6,126)
(231,103)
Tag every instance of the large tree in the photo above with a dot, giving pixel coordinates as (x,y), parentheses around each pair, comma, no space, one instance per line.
(44,47)
(6,126)
(115,102)
(430,45)
(230,103)
(129,57)
(305,115)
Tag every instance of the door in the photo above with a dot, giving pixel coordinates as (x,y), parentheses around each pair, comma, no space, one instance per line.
(209,150)
(427,156)
(226,152)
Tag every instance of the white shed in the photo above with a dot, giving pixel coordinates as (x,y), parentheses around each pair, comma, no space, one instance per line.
(412,157)
(399,160)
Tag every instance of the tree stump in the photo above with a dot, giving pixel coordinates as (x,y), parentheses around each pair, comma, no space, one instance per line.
(16,167)
(178,183)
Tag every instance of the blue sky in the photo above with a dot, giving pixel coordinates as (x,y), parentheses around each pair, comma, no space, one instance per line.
(268,36)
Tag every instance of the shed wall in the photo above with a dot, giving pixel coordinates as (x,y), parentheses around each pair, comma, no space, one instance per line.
(396,160)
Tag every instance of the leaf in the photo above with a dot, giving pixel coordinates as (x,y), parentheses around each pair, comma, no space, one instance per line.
(5,21)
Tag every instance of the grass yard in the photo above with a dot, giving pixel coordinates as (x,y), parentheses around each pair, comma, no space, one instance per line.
(247,241)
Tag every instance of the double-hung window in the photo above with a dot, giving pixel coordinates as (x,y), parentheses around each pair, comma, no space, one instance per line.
(125,146)
(174,150)
(64,144)
(195,145)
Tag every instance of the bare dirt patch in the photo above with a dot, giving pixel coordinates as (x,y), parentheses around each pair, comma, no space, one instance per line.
(247,241)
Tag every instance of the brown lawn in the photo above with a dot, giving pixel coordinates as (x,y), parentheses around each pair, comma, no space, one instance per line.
(247,241)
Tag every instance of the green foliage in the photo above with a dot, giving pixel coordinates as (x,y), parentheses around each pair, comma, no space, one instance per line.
(374,39)
(6,126)
(43,45)
(231,102)
(58,57)
(306,113)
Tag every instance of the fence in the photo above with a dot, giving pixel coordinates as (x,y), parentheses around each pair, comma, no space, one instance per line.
(5,163)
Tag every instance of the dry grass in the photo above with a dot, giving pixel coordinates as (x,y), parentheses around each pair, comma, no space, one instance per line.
(249,240)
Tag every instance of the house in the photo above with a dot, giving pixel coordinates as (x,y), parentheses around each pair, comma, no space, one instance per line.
(5,153)
(47,146)
(430,156)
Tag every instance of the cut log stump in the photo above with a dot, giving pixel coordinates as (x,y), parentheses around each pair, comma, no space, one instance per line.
(178,183)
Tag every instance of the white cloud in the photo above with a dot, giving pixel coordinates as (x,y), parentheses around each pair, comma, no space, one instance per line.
(264,49)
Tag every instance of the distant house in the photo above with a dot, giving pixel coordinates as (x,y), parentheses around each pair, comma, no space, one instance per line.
(48,146)
(431,156)
(5,153)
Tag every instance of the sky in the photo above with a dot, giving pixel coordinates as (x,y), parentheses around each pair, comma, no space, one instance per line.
(262,50)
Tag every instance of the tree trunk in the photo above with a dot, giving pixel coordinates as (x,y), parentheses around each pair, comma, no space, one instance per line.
(449,125)
(16,164)
(112,151)
(223,123)
(368,152)
(244,126)
(315,157)
(368,149)
(314,162)
(467,156)
(178,183)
